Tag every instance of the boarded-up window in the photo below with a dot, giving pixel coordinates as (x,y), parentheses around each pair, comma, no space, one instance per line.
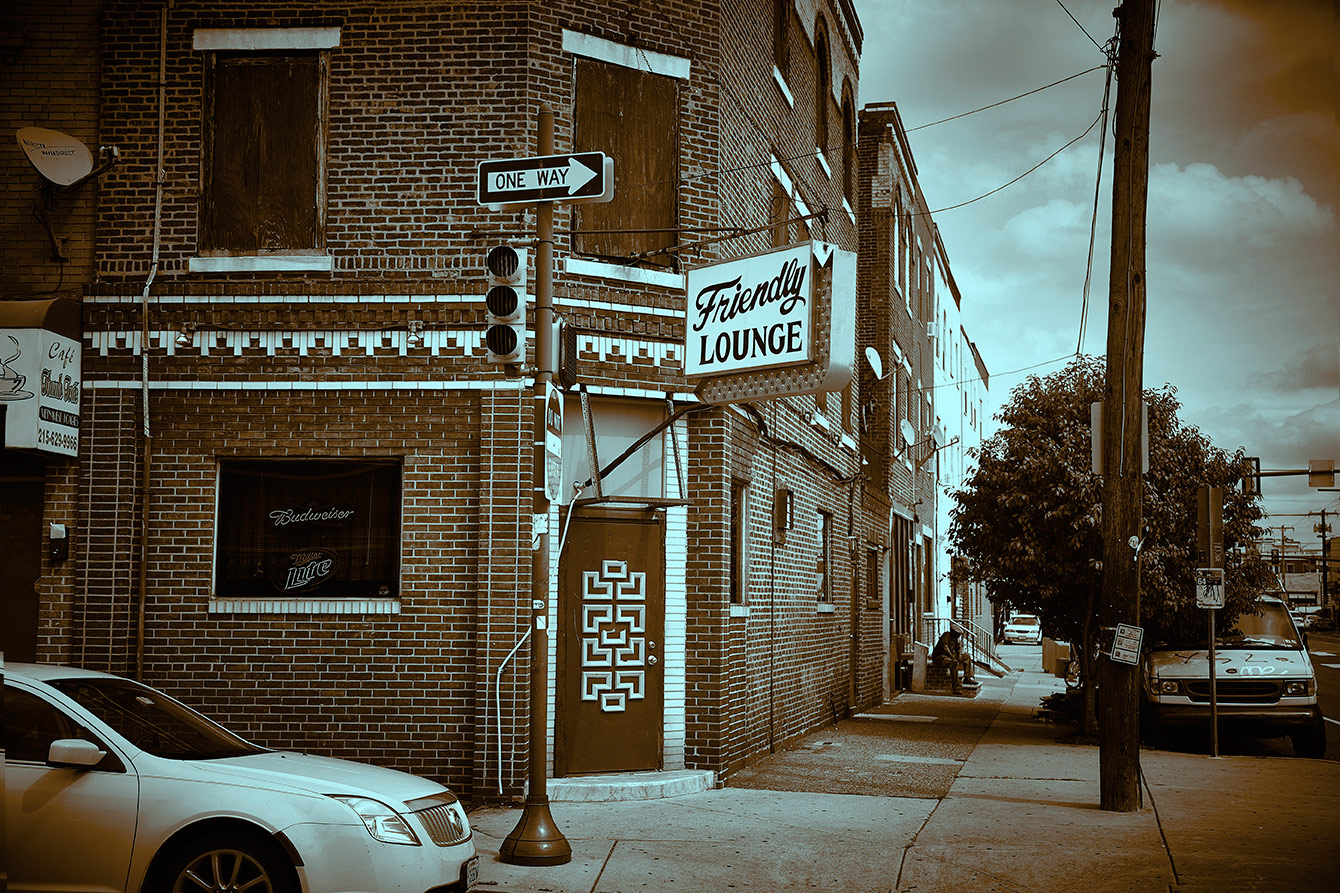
(264,155)
(631,116)
(314,528)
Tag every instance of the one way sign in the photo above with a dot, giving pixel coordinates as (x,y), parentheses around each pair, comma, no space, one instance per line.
(583,177)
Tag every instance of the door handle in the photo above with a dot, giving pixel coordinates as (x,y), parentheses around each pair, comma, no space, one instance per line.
(651,661)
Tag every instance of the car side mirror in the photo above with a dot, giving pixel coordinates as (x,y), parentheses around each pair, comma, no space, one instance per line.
(74,753)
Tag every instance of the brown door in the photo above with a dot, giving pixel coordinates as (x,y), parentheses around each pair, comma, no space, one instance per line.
(611,645)
(21,544)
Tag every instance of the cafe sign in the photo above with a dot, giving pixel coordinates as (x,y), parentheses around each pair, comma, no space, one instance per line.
(771,325)
(40,368)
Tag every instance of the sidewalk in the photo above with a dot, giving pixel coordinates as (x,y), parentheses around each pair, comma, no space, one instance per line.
(939,794)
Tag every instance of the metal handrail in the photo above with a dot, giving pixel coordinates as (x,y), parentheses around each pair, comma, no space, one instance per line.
(981,645)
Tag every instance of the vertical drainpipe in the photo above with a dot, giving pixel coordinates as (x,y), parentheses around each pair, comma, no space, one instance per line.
(146,437)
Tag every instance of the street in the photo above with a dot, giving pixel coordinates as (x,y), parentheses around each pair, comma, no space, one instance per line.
(1324,647)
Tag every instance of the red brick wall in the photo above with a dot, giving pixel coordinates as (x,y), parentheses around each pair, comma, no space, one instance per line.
(419,93)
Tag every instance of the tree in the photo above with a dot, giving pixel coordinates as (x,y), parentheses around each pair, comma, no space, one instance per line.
(1028,520)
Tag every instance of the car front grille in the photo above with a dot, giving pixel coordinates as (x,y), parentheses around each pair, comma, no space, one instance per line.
(1239,691)
(445,825)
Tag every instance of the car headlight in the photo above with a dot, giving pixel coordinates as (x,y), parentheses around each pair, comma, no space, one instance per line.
(1298,687)
(1167,686)
(382,822)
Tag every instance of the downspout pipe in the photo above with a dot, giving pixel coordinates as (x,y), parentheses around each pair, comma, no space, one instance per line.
(146,436)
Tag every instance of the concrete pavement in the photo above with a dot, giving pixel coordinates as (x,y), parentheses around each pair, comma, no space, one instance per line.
(940,794)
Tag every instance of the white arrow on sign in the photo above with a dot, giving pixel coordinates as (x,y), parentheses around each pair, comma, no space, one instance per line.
(574,177)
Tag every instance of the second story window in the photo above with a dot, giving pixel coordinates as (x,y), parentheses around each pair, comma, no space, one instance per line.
(631,115)
(781,33)
(823,84)
(264,154)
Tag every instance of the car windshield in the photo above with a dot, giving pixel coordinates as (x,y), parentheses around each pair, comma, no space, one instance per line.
(1024,620)
(1272,628)
(152,721)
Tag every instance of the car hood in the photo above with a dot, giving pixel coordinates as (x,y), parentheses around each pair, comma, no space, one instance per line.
(321,775)
(1192,663)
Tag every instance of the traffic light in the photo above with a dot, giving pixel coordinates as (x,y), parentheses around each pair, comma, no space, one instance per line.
(505,305)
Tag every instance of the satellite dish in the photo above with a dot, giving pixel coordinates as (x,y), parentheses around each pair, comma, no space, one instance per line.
(909,433)
(61,159)
(64,164)
(876,362)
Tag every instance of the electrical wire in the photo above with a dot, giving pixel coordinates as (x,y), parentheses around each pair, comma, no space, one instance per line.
(1018,178)
(955,383)
(1081,27)
(1093,221)
(1003,101)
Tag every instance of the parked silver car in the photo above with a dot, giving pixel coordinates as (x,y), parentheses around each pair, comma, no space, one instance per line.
(112,785)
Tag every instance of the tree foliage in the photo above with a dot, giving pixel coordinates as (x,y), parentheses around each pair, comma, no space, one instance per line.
(1029,519)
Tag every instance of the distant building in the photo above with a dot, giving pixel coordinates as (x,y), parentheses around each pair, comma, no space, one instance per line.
(926,388)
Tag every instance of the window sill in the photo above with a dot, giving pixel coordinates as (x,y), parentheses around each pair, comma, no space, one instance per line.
(781,85)
(622,273)
(825,608)
(304,606)
(823,163)
(739,610)
(262,263)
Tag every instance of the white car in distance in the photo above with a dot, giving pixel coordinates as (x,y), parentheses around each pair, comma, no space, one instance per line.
(1024,628)
(112,785)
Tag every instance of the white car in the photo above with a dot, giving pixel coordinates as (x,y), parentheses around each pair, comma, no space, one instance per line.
(111,785)
(1025,628)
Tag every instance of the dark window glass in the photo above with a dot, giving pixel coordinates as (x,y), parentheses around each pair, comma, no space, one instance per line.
(631,116)
(849,149)
(739,543)
(31,724)
(822,85)
(263,149)
(324,528)
(781,35)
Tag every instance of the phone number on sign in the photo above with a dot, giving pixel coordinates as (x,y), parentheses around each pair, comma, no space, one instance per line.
(58,439)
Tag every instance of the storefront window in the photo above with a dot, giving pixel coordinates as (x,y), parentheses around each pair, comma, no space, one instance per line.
(318,528)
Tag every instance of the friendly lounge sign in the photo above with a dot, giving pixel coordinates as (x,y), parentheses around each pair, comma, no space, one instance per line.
(771,325)
(752,313)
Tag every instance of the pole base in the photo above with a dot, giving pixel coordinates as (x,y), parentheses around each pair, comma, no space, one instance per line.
(536,840)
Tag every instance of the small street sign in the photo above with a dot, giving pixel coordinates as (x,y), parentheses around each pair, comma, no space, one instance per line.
(1209,588)
(584,176)
(553,441)
(1126,644)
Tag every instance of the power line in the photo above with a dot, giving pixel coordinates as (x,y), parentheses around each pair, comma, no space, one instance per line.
(1081,27)
(1003,101)
(1021,176)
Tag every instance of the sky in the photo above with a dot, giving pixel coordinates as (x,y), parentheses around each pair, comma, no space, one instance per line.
(1243,247)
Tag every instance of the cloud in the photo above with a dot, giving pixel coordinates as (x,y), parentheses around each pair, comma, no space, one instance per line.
(1318,366)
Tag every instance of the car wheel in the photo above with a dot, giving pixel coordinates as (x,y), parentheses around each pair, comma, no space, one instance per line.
(1311,741)
(224,861)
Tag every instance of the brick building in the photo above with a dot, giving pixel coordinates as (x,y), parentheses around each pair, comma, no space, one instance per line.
(925,387)
(301,494)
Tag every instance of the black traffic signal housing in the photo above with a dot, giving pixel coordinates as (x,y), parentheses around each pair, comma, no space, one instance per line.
(505,305)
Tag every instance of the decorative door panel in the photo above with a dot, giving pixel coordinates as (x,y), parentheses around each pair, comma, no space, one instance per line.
(612,605)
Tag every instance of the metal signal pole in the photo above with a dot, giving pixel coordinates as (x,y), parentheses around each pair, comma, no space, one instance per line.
(536,840)
(1119,731)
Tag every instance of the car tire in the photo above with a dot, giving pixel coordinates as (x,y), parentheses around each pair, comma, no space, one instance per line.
(224,860)
(1311,741)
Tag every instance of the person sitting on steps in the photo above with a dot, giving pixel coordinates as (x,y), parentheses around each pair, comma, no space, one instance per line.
(949,653)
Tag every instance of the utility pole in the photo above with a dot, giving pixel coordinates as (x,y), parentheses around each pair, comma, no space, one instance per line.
(1322,530)
(1119,730)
